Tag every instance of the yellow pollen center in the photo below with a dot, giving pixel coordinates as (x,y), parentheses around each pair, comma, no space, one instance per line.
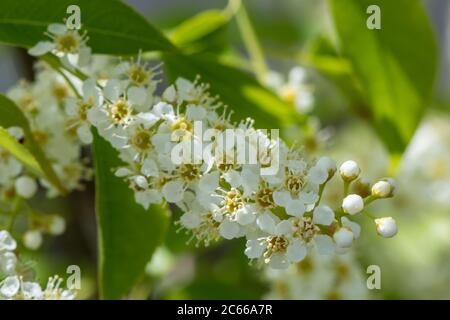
(68,42)
(120,111)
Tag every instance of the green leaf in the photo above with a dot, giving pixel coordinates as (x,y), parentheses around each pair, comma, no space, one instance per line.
(113,27)
(395,66)
(236,88)
(19,151)
(198,30)
(30,153)
(127,233)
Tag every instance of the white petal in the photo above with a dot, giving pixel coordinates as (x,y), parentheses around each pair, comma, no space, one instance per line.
(245,215)
(84,56)
(112,90)
(209,182)
(71,106)
(254,249)
(89,88)
(123,172)
(85,134)
(278,261)
(26,187)
(190,220)
(283,228)
(141,182)
(41,48)
(233,178)
(57,28)
(266,223)
(295,208)
(309,197)
(149,168)
(8,261)
(356,229)
(137,95)
(324,244)
(10,287)
(343,238)
(6,241)
(173,191)
(147,119)
(147,197)
(297,75)
(296,251)
(229,229)
(318,175)
(281,198)
(32,290)
(195,112)
(323,215)
(161,109)
(170,94)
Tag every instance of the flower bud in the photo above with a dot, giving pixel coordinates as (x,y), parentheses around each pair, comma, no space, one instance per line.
(383,189)
(352,204)
(32,239)
(328,165)
(57,225)
(349,170)
(343,238)
(386,227)
(26,187)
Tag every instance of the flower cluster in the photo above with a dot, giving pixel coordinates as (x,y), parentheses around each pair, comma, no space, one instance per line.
(176,149)
(16,282)
(319,277)
(46,104)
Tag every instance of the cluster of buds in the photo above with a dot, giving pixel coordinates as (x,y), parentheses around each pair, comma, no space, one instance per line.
(17,283)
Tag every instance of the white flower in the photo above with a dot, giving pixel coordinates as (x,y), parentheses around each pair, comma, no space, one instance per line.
(32,239)
(7,243)
(323,215)
(382,189)
(343,238)
(67,44)
(26,187)
(349,170)
(352,204)
(386,227)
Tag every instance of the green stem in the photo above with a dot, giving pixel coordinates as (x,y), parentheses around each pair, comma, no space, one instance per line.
(346,187)
(369,200)
(369,215)
(250,39)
